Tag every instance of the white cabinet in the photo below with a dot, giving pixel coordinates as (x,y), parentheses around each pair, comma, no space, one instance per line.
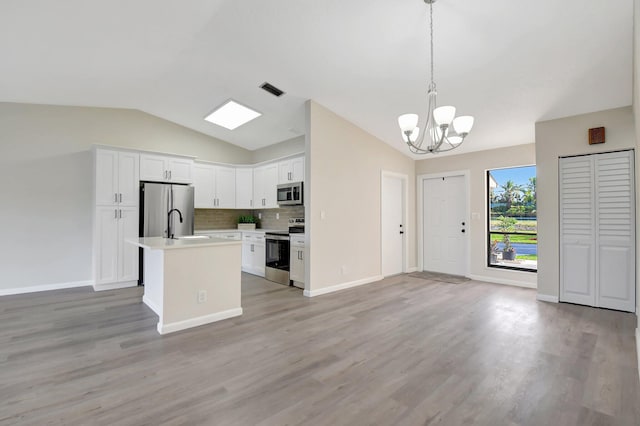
(116,262)
(214,186)
(229,235)
(244,188)
(265,186)
(253,253)
(164,168)
(116,178)
(296,260)
(291,170)
(117,184)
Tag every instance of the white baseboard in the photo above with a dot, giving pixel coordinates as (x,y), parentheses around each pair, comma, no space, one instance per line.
(46,287)
(343,286)
(503,281)
(413,269)
(151,305)
(195,322)
(547,298)
(113,286)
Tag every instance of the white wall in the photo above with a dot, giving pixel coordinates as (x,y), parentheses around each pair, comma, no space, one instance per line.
(477,163)
(563,137)
(344,165)
(46,171)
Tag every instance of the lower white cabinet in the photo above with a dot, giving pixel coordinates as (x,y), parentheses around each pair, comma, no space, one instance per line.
(229,235)
(253,253)
(116,262)
(296,260)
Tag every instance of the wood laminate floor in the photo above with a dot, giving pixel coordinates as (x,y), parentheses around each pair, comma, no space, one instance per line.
(403,351)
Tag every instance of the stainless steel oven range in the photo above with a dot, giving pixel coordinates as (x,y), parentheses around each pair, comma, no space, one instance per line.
(277,256)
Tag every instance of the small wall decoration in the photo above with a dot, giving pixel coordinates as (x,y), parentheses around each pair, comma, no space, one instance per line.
(596,135)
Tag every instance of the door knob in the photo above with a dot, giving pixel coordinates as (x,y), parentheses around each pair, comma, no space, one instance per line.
(462,223)
(462,231)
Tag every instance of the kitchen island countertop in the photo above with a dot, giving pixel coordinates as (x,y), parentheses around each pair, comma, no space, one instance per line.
(160,243)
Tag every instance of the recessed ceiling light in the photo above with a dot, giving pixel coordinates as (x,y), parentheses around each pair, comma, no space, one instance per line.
(231,115)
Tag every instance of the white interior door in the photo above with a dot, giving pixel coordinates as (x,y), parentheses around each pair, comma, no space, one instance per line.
(393,226)
(597,230)
(445,227)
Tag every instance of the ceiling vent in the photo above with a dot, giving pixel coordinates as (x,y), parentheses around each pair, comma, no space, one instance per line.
(271,89)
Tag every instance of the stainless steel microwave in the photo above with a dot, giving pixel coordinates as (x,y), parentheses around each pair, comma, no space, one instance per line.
(290,194)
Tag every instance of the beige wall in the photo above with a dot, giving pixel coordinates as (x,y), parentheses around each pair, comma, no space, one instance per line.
(563,137)
(344,165)
(477,163)
(46,174)
(279,150)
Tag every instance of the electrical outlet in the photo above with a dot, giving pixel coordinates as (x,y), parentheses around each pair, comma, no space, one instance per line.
(277,216)
(259,215)
(202,296)
(343,269)
(322,214)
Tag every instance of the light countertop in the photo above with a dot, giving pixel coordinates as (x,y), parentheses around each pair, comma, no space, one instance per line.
(159,243)
(212,231)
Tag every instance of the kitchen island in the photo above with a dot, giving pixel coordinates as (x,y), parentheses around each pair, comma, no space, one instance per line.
(191,282)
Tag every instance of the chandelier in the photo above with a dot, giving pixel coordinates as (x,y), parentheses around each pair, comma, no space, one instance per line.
(438,135)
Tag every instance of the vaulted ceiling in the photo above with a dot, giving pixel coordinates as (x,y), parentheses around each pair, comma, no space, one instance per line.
(508,63)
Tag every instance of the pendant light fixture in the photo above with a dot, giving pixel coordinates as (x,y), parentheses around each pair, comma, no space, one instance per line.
(438,135)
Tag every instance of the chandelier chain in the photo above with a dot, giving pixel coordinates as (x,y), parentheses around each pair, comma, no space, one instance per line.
(431,38)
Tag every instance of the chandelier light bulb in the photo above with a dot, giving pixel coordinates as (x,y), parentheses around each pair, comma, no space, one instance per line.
(455,140)
(408,122)
(463,124)
(444,115)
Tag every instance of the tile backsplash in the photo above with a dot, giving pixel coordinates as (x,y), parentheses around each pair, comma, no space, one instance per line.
(269,220)
(228,218)
(217,218)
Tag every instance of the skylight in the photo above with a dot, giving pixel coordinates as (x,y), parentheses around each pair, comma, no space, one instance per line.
(232,115)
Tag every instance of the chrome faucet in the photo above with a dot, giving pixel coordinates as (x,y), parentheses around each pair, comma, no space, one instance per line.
(169,230)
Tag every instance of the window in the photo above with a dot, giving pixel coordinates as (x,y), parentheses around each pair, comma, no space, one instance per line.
(513,225)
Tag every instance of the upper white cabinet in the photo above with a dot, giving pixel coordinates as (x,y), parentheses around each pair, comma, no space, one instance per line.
(291,170)
(244,188)
(164,168)
(117,178)
(265,186)
(215,186)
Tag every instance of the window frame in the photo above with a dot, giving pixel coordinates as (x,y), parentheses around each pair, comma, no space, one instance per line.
(488,224)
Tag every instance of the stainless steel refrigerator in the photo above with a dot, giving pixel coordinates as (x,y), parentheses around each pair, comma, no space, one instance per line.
(162,207)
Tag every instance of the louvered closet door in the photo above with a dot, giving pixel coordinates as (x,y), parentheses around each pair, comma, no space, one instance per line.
(597,230)
(577,226)
(615,231)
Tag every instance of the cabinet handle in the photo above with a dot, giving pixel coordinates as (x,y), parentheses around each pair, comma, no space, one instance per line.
(121,197)
(119,214)
(115,200)
(115,213)
(169,174)
(251,247)
(251,203)
(164,174)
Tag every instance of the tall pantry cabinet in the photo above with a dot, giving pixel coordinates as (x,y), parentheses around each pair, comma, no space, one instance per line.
(116,216)
(597,230)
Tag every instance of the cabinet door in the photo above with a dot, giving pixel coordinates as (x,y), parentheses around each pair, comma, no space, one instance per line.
(127,253)
(296,272)
(284,171)
(244,188)
(297,169)
(106,177)
(204,182)
(153,168)
(106,245)
(247,256)
(258,261)
(128,179)
(226,187)
(259,200)
(271,186)
(180,170)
